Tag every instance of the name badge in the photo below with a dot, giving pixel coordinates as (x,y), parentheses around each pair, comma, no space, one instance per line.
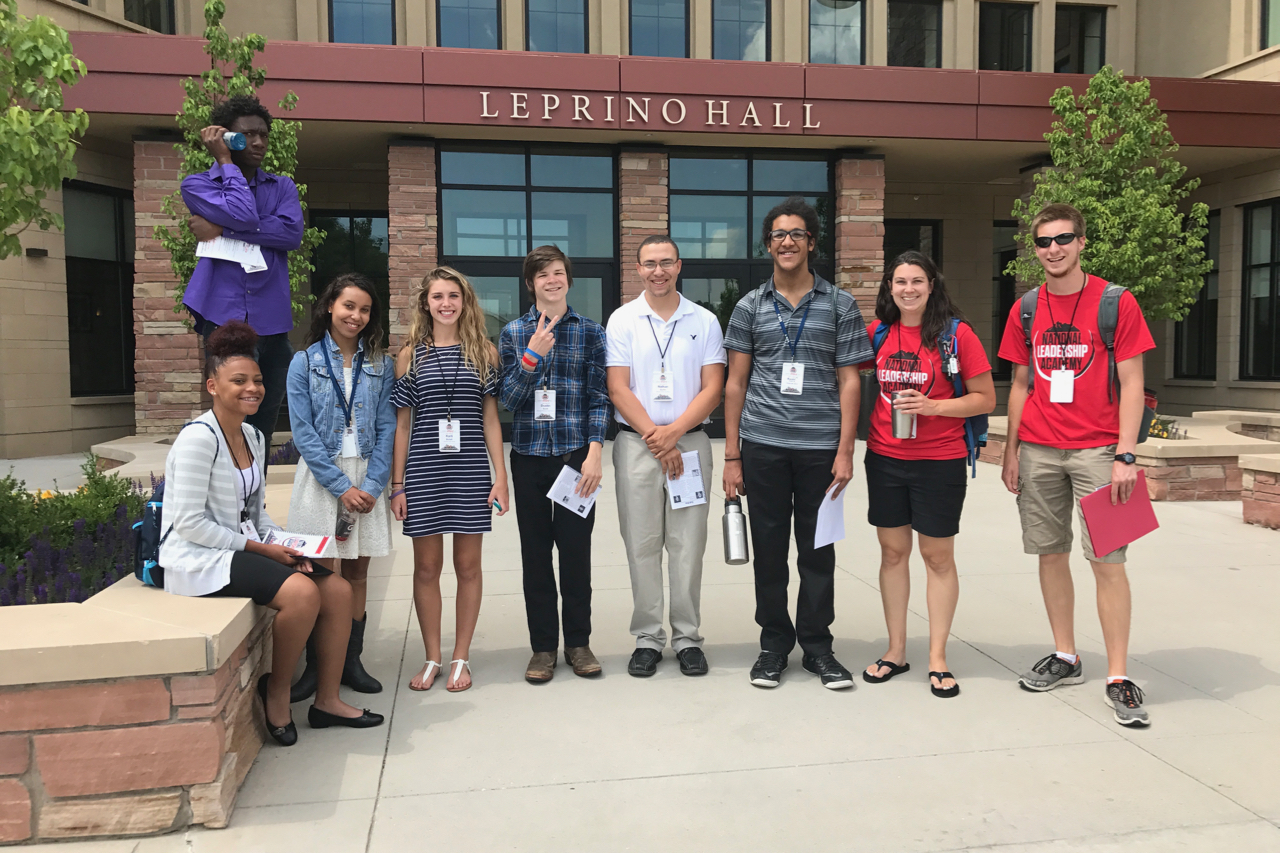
(450,442)
(247,528)
(1062,386)
(349,447)
(792,377)
(544,405)
(953,366)
(663,389)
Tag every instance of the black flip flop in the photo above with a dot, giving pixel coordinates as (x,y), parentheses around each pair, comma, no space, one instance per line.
(940,692)
(894,669)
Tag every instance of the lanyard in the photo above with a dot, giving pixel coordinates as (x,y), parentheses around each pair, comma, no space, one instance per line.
(918,349)
(244,508)
(1072,321)
(347,404)
(800,331)
(449,389)
(662,353)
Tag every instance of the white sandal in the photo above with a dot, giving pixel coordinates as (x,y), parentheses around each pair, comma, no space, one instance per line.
(426,673)
(456,666)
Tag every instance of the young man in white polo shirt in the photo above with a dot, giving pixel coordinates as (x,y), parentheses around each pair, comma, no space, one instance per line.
(665,361)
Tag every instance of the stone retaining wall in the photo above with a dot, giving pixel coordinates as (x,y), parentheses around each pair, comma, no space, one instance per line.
(1212,478)
(130,756)
(1260,494)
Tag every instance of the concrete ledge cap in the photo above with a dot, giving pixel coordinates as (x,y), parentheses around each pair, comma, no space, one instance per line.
(1270,464)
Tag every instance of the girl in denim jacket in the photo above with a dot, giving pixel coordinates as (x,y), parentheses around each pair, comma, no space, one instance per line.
(344,426)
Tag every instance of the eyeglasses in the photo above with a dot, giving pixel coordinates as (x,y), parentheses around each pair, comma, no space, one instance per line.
(1061,240)
(665,263)
(797,235)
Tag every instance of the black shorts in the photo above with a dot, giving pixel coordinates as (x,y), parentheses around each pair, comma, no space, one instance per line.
(927,494)
(254,576)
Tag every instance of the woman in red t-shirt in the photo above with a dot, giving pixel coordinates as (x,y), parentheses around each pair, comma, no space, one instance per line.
(918,483)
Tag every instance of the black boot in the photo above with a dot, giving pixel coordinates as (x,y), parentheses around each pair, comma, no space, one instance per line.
(353,672)
(305,687)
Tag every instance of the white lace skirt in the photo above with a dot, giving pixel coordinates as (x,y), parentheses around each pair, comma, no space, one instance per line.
(313,509)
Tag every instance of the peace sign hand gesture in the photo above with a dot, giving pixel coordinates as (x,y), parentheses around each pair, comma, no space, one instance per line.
(544,338)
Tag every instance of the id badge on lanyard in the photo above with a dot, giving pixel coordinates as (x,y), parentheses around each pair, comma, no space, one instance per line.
(251,532)
(1062,386)
(792,377)
(346,402)
(450,440)
(663,386)
(792,371)
(544,405)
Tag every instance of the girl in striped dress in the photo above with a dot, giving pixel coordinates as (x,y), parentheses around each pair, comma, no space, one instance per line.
(447,434)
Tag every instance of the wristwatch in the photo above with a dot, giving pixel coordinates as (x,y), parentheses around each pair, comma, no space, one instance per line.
(1126,458)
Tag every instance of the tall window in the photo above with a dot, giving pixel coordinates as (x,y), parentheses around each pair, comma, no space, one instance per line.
(556,26)
(1270,23)
(1004,291)
(468,23)
(835,31)
(1004,37)
(1195,350)
(153,14)
(718,205)
(740,29)
(659,27)
(915,33)
(498,203)
(362,21)
(355,241)
(1259,350)
(919,235)
(99,251)
(1079,40)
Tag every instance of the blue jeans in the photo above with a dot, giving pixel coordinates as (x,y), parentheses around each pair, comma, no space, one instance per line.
(274,354)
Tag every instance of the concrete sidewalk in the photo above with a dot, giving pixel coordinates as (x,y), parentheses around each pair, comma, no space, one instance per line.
(714,764)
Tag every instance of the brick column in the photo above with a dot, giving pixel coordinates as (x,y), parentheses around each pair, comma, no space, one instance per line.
(412,225)
(860,228)
(168,364)
(643,208)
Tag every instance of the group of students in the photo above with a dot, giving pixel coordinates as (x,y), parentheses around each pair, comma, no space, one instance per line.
(417,437)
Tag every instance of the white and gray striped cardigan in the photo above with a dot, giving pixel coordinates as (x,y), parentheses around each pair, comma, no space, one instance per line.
(202,509)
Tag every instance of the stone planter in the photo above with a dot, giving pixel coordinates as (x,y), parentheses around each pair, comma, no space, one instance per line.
(131,714)
(1260,493)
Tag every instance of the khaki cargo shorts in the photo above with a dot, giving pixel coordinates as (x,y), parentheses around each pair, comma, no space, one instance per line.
(1052,482)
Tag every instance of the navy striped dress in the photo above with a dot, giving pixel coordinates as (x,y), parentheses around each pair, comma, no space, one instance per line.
(445,492)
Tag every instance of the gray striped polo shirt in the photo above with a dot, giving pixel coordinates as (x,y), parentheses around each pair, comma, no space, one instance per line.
(834,336)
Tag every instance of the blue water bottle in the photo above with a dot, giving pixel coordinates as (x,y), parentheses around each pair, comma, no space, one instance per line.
(235,141)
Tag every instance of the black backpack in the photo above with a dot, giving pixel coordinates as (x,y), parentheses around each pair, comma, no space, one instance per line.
(146,532)
(1108,318)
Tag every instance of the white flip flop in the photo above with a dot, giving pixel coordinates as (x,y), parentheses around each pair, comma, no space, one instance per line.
(425,675)
(456,666)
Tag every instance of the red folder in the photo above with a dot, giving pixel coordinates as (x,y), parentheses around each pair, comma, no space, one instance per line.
(1112,527)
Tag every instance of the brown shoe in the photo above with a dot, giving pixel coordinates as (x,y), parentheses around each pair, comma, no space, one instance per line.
(583,662)
(541,667)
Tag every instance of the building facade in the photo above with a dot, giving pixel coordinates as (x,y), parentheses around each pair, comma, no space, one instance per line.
(467,131)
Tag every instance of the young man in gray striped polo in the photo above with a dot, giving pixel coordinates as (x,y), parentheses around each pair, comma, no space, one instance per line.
(791,411)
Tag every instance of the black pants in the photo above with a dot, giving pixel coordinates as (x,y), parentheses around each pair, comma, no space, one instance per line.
(543,524)
(779,479)
(274,354)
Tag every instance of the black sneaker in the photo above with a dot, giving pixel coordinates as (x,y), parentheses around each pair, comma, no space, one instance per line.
(833,675)
(768,669)
(1050,672)
(644,662)
(692,661)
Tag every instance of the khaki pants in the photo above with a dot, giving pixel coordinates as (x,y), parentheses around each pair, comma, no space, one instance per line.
(648,526)
(1052,483)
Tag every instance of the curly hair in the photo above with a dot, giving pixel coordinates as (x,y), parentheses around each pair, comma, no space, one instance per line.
(793,206)
(230,340)
(239,106)
(477,352)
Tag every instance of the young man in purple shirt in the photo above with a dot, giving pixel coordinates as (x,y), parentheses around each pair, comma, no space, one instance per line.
(239,200)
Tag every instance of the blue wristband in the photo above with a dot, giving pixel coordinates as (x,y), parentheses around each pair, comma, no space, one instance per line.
(532,356)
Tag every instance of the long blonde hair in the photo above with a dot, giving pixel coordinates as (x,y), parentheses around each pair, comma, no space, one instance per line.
(476,349)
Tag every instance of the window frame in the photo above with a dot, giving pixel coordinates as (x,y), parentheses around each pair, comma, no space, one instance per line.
(768,34)
(631,33)
(1264,24)
(1080,8)
(1273,374)
(173,17)
(497,21)
(936,4)
(862,33)
(394,34)
(586,28)
(1030,10)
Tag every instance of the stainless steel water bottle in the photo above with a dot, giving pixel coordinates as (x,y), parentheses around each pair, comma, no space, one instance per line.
(735,533)
(235,141)
(904,423)
(346,521)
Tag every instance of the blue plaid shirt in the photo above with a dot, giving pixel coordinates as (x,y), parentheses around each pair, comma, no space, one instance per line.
(574,369)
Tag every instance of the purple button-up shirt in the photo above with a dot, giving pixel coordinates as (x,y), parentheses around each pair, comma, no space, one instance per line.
(266,213)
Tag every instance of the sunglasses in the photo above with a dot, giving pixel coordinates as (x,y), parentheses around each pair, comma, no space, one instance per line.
(1061,240)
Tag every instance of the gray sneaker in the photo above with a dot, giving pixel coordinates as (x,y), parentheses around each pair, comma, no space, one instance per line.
(1125,698)
(1050,672)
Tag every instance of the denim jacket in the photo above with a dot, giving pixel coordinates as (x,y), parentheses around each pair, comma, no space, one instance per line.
(315,415)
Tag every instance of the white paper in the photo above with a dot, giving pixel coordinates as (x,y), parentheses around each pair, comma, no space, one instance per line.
(830,526)
(307,544)
(687,489)
(245,254)
(562,492)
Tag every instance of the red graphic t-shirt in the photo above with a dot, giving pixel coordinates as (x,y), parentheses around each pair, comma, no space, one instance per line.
(1065,336)
(904,363)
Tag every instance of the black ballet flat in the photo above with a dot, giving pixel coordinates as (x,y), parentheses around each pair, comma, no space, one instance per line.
(323,719)
(283,735)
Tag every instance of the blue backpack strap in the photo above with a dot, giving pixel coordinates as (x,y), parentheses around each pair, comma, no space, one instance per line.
(882,332)
(949,345)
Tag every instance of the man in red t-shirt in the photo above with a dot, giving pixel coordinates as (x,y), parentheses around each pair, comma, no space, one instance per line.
(1069,437)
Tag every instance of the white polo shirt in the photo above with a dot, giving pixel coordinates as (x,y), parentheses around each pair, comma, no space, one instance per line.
(691,340)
